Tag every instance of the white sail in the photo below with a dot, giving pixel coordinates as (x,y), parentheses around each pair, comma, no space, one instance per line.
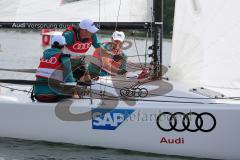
(206,50)
(55,11)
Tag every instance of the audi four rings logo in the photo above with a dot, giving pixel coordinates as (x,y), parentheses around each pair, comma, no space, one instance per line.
(79,46)
(52,60)
(186,123)
(134,92)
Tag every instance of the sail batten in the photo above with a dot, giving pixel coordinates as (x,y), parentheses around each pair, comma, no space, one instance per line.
(206,50)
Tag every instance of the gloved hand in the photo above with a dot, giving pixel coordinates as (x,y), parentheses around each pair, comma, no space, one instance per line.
(121,71)
(144,74)
(117,58)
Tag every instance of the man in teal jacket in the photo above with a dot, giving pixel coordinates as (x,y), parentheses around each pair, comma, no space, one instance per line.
(54,66)
(79,39)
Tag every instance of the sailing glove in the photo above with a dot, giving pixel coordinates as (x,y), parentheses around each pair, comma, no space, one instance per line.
(117,58)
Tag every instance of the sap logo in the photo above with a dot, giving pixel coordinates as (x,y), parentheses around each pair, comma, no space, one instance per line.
(109,119)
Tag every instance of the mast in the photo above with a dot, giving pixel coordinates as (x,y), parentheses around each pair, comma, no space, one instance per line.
(157,39)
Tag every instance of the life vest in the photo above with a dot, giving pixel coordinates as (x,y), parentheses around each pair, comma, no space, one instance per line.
(111,61)
(50,68)
(78,48)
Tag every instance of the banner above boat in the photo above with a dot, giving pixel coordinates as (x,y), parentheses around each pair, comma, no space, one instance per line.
(68,11)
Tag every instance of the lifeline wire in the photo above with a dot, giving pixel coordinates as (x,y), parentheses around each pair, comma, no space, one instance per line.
(146,50)
(130,99)
(99,16)
(134,40)
(14,89)
(119,7)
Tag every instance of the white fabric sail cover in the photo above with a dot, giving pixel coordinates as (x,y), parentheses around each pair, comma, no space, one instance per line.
(56,11)
(206,49)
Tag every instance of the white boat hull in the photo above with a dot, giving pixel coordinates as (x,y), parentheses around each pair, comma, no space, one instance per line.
(21,118)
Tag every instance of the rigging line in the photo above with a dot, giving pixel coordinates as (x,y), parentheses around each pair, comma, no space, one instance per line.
(99,22)
(99,15)
(208,98)
(128,35)
(140,55)
(152,22)
(146,49)
(133,65)
(123,99)
(150,100)
(147,100)
(180,97)
(119,7)
(101,50)
(14,89)
(134,40)
(135,68)
(118,80)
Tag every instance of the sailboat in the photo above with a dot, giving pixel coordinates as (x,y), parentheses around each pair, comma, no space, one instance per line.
(192,110)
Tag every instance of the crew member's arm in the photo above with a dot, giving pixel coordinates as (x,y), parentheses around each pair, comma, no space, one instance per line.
(99,48)
(123,67)
(106,64)
(67,69)
(69,37)
(124,62)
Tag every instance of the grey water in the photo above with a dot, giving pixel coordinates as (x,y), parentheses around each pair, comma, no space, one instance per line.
(15,149)
(23,50)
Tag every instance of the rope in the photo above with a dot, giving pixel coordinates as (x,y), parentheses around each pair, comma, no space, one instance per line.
(146,50)
(14,89)
(99,15)
(179,97)
(152,22)
(140,55)
(134,40)
(99,22)
(144,100)
(100,87)
(149,100)
(119,7)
